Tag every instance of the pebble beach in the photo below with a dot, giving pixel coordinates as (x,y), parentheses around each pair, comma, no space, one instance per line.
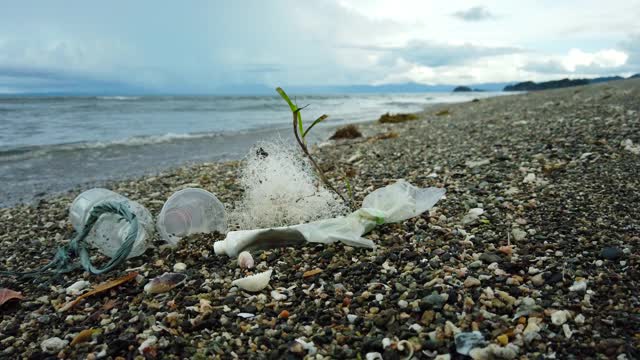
(532,254)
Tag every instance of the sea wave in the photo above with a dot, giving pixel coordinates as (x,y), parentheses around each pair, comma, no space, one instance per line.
(118,98)
(23,153)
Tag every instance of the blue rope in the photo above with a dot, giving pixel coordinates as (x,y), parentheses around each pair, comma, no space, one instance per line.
(63,259)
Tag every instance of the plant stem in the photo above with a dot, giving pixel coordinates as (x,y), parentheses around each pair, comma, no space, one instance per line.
(315,164)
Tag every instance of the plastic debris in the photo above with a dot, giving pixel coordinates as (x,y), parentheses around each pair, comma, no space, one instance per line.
(465,341)
(190,211)
(255,282)
(109,232)
(390,204)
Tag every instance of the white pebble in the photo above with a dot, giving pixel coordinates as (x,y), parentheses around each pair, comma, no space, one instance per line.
(53,345)
(379,297)
(567,331)
(403,304)
(352,318)
(560,317)
(599,262)
(179,267)
(579,319)
(578,286)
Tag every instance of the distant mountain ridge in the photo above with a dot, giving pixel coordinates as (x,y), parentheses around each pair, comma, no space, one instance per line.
(557,84)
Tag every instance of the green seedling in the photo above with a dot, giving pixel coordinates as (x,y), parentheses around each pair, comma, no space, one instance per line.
(300,134)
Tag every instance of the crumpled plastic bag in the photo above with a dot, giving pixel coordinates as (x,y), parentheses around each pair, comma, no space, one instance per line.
(389,204)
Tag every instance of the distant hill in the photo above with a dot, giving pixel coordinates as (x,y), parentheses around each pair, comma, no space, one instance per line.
(636,76)
(466,89)
(557,84)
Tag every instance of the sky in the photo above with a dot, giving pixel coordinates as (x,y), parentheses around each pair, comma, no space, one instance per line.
(210,46)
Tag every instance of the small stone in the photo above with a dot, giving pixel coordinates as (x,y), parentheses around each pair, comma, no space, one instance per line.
(179,267)
(560,317)
(579,319)
(518,234)
(53,345)
(403,304)
(465,341)
(427,317)
(567,331)
(471,282)
(351,318)
(472,216)
(489,258)
(503,339)
(599,263)
(611,253)
(538,280)
(578,286)
(433,301)
(475,265)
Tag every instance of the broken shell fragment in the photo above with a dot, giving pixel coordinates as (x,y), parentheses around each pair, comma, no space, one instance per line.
(255,282)
(245,260)
(164,283)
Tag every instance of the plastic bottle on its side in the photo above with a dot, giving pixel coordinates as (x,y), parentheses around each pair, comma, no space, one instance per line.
(109,231)
(191,211)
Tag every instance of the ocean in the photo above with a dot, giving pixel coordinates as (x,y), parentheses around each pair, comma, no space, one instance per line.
(50,145)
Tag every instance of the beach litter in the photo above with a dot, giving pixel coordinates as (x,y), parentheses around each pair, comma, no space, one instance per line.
(108,233)
(393,203)
(190,211)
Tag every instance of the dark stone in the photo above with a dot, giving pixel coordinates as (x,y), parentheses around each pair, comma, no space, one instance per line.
(553,278)
(433,301)
(611,253)
(489,258)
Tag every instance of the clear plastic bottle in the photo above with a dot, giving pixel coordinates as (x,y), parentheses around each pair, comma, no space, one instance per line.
(190,211)
(110,230)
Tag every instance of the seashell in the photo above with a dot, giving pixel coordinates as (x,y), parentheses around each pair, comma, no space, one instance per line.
(246,315)
(164,283)
(255,282)
(245,260)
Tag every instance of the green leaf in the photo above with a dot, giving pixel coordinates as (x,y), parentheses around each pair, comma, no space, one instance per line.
(294,108)
(286,98)
(317,121)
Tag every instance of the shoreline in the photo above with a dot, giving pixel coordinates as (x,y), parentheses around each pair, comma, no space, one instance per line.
(549,268)
(103,165)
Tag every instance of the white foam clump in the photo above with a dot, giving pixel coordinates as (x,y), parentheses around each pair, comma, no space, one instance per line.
(281,189)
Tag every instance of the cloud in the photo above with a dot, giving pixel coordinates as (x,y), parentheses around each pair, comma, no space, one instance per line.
(476,13)
(439,54)
(203,46)
(577,61)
